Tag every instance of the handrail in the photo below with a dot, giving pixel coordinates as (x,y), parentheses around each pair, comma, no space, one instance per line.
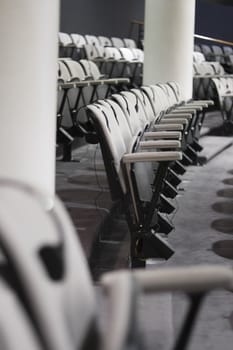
(219,41)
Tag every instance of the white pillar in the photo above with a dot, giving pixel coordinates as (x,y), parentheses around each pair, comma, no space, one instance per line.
(28,70)
(169,30)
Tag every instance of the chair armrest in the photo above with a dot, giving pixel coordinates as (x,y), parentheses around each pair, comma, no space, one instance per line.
(209,102)
(162,135)
(143,157)
(164,127)
(187,116)
(122,325)
(174,120)
(195,279)
(124,288)
(160,144)
(188,109)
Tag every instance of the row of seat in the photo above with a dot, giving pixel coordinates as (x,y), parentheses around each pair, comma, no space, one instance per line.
(147,136)
(78,40)
(210,81)
(113,57)
(47,298)
(79,83)
(222,54)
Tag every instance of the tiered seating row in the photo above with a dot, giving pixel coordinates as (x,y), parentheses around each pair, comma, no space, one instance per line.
(147,136)
(211,81)
(79,83)
(115,56)
(221,54)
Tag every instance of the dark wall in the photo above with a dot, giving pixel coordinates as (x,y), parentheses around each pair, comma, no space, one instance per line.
(112,17)
(214,20)
(100,17)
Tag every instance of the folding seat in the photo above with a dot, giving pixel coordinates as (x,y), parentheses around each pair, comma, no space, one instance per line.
(218,54)
(224,91)
(218,68)
(92,40)
(225,59)
(46,258)
(79,41)
(117,42)
(208,53)
(138,54)
(94,52)
(92,70)
(130,43)
(77,92)
(202,80)
(66,44)
(104,41)
(118,63)
(198,57)
(197,48)
(228,51)
(133,65)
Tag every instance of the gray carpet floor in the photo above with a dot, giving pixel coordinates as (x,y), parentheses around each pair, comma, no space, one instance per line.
(200,208)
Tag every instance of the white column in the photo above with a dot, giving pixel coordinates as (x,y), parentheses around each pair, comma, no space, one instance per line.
(169,30)
(28,70)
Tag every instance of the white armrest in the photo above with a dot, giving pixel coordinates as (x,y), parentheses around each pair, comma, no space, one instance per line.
(123,289)
(187,108)
(160,144)
(195,279)
(209,102)
(122,303)
(180,114)
(162,135)
(174,121)
(151,157)
(164,127)
(203,105)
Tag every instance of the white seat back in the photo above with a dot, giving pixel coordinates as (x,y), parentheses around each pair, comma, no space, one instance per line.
(64,39)
(138,54)
(135,124)
(112,53)
(117,42)
(78,40)
(104,41)
(198,57)
(113,136)
(113,110)
(46,255)
(91,69)
(63,72)
(130,43)
(92,40)
(127,54)
(75,69)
